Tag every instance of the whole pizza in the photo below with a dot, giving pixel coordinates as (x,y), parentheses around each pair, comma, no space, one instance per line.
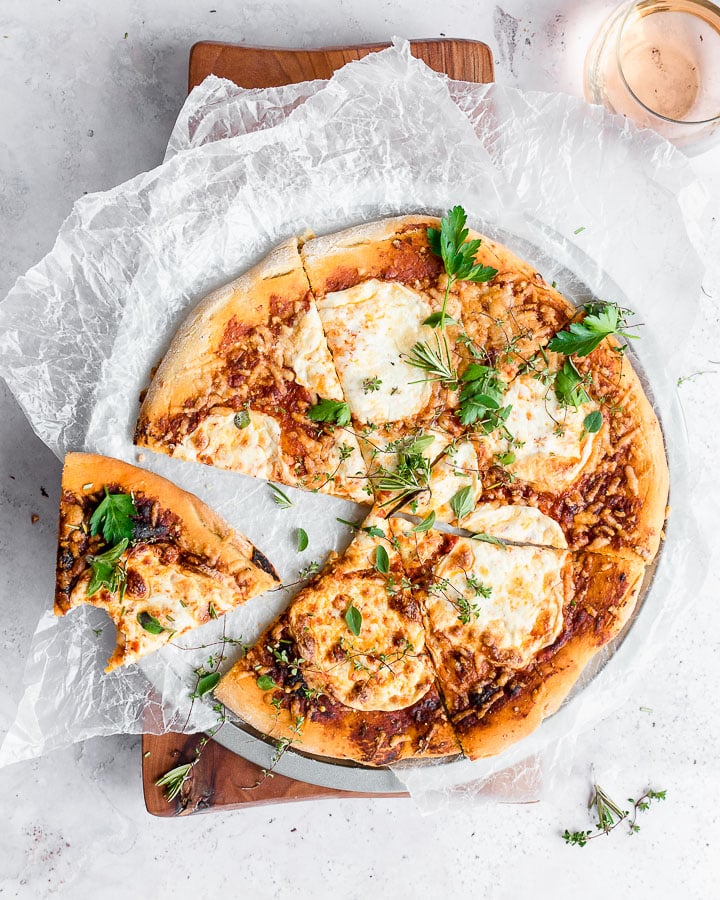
(514,468)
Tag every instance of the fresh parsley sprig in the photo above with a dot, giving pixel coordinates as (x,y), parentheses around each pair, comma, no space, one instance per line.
(481,398)
(451,243)
(601,321)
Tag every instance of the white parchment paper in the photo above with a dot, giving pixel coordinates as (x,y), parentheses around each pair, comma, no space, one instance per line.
(597,206)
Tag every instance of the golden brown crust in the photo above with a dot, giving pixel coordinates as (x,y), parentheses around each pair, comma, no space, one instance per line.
(253,347)
(320,725)
(605,594)
(181,553)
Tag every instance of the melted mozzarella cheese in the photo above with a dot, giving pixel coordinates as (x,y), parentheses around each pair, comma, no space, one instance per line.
(523,612)
(178,599)
(456,470)
(524,524)
(382,668)
(552,446)
(309,358)
(369,328)
(255,450)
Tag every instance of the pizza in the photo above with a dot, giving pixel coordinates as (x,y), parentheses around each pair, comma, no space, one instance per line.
(514,463)
(239,378)
(153,556)
(419,644)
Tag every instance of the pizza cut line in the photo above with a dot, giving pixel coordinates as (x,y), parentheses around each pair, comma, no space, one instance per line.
(420,365)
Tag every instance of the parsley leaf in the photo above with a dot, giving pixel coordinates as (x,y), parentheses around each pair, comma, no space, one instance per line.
(462,502)
(334,411)
(114,518)
(481,398)
(581,338)
(569,386)
(353,619)
(458,254)
(106,569)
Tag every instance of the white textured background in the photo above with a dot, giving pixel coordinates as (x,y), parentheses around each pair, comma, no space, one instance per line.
(82,108)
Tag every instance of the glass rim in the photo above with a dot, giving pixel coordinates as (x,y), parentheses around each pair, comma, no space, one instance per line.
(662,7)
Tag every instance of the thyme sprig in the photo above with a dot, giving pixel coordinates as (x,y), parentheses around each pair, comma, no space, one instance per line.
(610,815)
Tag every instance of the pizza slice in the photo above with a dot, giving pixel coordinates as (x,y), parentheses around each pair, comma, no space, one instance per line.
(379,288)
(156,558)
(511,627)
(344,672)
(240,378)
(581,442)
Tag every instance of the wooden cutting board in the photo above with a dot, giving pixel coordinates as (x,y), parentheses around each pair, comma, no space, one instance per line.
(259,67)
(221,779)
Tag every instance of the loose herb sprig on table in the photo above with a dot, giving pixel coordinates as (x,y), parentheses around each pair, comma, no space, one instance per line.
(610,815)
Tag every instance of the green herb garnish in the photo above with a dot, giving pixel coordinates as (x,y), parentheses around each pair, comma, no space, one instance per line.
(107,571)
(280,497)
(581,338)
(302,540)
(427,523)
(450,242)
(370,385)
(610,815)
(265,683)
(334,411)
(241,419)
(353,618)
(592,422)
(382,560)
(113,517)
(463,502)
(570,386)
(206,683)
(150,623)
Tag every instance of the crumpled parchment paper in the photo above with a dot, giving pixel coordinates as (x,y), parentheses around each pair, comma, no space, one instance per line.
(599,207)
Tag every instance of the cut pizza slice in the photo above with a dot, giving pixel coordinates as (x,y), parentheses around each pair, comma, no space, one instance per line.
(581,442)
(379,290)
(344,672)
(510,627)
(239,379)
(156,558)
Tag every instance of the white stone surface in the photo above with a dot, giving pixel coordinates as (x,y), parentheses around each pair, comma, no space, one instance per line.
(84,107)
